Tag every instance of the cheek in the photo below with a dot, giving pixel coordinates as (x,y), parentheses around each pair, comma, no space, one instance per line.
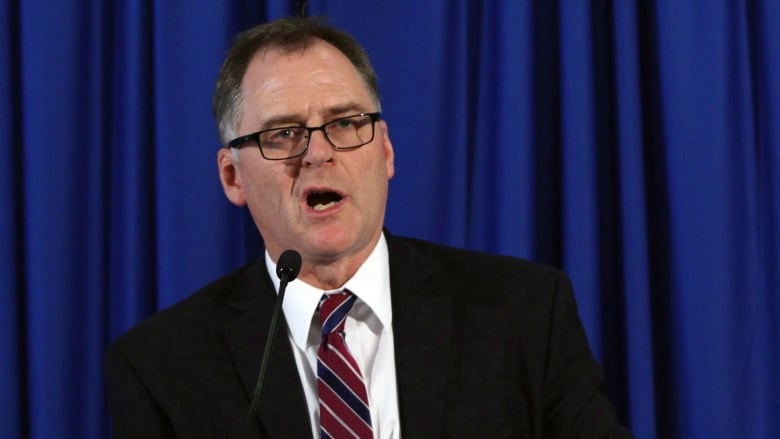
(265,194)
(258,187)
(378,183)
(271,191)
(265,206)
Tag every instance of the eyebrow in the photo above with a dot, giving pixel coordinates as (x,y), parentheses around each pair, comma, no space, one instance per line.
(330,113)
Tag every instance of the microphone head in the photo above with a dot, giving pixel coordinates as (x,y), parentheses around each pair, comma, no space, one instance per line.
(289,265)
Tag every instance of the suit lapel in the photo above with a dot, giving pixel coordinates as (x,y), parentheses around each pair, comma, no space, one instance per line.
(422,319)
(282,410)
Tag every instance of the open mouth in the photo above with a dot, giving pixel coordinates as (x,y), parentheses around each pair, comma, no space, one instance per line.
(322,200)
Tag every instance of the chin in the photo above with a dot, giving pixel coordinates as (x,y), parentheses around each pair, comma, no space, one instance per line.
(330,242)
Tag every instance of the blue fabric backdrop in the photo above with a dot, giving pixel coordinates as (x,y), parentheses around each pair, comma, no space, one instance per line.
(636,144)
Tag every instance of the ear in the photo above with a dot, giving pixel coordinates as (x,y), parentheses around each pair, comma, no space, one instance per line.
(387,145)
(230,176)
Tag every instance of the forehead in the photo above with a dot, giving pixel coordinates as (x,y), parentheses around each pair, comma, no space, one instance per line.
(301,82)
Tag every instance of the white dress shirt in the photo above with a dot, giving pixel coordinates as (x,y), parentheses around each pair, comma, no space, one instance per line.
(369,337)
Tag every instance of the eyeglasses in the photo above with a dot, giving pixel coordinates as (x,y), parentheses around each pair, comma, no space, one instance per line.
(283,143)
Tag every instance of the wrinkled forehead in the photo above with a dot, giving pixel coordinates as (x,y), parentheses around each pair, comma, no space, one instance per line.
(314,51)
(319,68)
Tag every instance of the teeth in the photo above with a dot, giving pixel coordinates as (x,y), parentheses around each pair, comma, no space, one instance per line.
(324,206)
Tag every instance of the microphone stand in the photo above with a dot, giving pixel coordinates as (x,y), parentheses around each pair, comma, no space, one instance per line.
(287,269)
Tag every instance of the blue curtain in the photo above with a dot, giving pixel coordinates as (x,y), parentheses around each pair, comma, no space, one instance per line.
(635,143)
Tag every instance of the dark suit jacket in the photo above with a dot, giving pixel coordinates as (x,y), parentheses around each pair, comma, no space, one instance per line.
(485,347)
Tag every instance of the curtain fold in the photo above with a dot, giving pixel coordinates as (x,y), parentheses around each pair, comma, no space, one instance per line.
(647,414)
(634,144)
(13,364)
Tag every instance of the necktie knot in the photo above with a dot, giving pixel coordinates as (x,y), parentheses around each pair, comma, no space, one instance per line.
(334,308)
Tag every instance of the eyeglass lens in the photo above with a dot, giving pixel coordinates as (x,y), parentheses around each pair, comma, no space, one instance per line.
(346,133)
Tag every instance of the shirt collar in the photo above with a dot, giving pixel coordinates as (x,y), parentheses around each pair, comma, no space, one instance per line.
(371,283)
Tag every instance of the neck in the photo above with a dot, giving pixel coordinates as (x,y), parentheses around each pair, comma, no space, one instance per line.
(333,272)
(330,276)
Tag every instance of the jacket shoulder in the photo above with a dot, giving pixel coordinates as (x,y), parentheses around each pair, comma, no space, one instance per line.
(469,263)
(203,308)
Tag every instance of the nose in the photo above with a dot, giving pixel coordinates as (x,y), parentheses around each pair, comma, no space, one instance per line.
(319,150)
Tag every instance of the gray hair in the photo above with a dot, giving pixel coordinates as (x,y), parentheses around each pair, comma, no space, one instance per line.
(288,35)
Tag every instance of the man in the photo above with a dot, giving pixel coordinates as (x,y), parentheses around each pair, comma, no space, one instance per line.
(437,342)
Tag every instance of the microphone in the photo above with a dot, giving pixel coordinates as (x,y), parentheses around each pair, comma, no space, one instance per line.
(288,267)
(287,270)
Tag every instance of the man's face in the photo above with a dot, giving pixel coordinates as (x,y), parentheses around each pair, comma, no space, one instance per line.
(286,197)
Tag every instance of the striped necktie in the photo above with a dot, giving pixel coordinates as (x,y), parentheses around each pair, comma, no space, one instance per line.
(344,411)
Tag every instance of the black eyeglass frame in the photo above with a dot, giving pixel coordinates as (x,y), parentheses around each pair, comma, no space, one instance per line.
(244,141)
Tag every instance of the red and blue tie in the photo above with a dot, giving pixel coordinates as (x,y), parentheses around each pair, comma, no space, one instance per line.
(344,411)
